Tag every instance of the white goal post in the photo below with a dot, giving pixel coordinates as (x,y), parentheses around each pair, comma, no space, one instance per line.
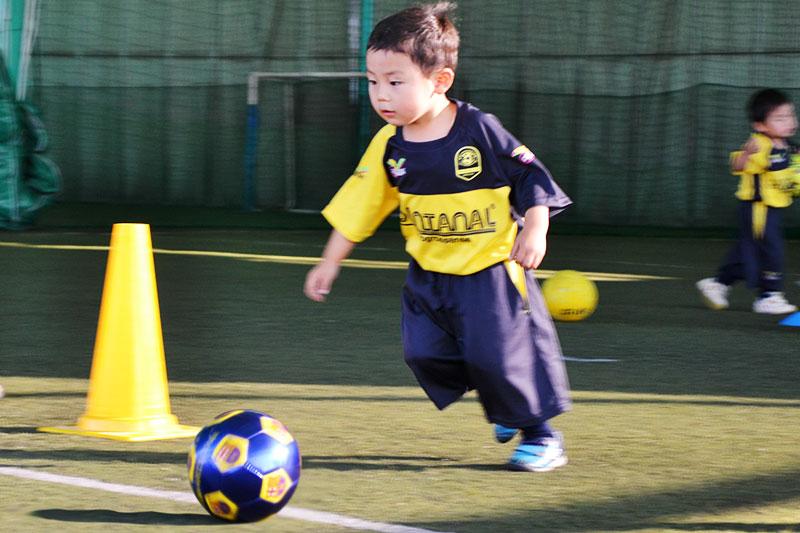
(254,125)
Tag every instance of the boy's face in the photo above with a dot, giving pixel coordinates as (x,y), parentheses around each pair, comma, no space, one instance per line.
(780,123)
(398,89)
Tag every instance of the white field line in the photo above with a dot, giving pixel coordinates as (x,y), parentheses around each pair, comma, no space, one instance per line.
(303,260)
(589,360)
(187,497)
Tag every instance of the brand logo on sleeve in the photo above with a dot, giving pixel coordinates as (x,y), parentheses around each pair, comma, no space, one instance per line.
(523,154)
(468,163)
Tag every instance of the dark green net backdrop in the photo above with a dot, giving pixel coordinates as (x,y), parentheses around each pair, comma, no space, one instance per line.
(634,105)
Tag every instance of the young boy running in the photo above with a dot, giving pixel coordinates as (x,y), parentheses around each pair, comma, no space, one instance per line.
(472,313)
(765,180)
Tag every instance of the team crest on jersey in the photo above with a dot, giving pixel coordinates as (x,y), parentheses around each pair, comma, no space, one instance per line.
(523,154)
(468,162)
(396,167)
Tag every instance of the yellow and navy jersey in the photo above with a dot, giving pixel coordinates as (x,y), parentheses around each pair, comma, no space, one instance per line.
(459,197)
(767,176)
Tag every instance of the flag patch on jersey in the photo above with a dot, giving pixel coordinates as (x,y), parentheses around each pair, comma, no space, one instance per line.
(523,154)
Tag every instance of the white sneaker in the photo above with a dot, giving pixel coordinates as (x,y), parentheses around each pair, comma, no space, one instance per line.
(714,293)
(773,303)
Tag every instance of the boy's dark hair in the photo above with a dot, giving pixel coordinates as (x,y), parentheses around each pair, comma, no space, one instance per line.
(425,33)
(764,102)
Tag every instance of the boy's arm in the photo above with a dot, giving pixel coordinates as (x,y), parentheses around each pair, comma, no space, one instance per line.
(530,245)
(367,197)
(739,159)
(753,158)
(355,212)
(319,279)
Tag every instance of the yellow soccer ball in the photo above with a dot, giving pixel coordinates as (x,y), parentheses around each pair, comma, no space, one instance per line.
(570,296)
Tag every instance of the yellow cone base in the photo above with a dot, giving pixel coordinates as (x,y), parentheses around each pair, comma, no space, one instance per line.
(164,427)
(128,395)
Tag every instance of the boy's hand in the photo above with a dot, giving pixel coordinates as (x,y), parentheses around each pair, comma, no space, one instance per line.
(530,247)
(750,147)
(319,280)
(531,242)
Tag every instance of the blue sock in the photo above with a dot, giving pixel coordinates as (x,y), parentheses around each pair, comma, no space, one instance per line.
(539,431)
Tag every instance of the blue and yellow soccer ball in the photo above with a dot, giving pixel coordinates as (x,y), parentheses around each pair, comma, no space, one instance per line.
(244,466)
(570,296)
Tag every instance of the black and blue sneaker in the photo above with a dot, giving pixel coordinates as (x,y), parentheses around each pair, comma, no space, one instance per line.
(503,434)
(539,455)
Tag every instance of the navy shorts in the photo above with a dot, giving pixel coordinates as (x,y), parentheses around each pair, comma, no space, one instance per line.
(756,259)
(476,332)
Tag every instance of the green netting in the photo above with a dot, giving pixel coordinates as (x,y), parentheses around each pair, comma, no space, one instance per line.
(633,104)
(28,178)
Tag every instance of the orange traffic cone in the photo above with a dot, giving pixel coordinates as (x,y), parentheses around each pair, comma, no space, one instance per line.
(128,397)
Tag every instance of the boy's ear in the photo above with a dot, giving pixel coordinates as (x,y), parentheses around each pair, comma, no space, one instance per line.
(443,80)
(758,126)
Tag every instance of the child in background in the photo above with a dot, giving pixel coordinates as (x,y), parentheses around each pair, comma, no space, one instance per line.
(473,316)
(765,189)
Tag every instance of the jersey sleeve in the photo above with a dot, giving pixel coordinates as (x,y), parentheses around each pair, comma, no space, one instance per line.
(535,186)
(531,182)
(367,197)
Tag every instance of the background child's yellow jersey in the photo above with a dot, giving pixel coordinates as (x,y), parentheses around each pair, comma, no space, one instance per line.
(767,176)
(459,196)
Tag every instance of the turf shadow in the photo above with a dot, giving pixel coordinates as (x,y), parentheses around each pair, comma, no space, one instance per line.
(151,518)
(88,454)
(652,510)
(53,394)
(733,526)
(307,398)
(674,401)
(344,463)
(19,430)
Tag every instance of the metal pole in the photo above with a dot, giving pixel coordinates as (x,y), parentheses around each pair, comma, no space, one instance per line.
(251,144)
(29,29)
(365,109)
(250,148)
(15,14)
(290,163)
